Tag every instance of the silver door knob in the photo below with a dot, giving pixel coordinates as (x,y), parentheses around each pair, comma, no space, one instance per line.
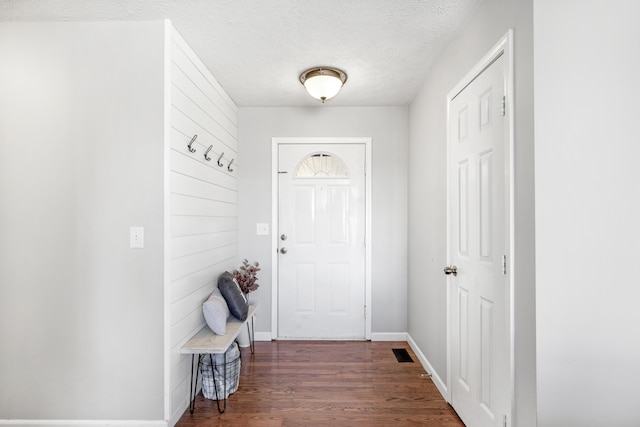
(283,250)
(451,269)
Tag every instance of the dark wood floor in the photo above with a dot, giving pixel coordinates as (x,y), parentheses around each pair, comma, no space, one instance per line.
(328,383)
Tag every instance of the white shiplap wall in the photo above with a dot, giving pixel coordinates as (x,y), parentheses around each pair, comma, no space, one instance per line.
(202,203)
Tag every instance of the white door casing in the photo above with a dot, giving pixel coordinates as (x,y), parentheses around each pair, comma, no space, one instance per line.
(480,242)
(322,280)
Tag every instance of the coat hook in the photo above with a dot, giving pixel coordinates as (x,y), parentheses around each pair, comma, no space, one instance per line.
(207,158)
(193,150)
(220,158)
(229,167)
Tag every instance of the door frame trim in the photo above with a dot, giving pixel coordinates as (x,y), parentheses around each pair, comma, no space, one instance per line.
(504,47)
(275,143)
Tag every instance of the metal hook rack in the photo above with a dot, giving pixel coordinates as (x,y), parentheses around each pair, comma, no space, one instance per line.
(191,149)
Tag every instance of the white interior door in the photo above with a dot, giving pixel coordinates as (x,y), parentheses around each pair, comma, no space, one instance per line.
(321,236)
(478,241)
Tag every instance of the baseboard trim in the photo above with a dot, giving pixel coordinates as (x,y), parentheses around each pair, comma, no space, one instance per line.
(263,336)
(440,385)
(84,423)
(389,336)
(375,336)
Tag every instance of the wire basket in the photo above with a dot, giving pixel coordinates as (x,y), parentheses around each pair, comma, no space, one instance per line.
(220,378)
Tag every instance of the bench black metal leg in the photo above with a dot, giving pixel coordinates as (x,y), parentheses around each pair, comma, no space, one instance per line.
(224,382)
(194,384)
(252,335)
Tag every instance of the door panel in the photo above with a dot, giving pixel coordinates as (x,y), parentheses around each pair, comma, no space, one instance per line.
(478,236)
(321,210)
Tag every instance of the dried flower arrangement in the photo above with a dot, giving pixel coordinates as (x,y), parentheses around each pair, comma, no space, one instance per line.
(246,276)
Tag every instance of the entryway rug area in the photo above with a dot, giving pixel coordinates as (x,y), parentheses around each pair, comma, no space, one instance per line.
(402,355)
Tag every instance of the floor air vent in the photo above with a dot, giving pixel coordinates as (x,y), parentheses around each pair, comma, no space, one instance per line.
(402,355)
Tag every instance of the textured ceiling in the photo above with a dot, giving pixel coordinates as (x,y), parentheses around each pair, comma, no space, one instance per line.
(256,49)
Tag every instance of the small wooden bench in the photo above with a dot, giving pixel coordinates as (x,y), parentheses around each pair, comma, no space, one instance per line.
(206,342)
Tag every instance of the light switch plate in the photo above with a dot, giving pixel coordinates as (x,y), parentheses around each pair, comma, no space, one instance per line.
(262,229)
(136,237)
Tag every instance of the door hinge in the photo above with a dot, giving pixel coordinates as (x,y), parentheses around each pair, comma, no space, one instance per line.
(504,264)
(503,106)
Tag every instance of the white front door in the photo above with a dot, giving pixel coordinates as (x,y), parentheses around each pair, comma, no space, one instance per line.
(478,241)
(321,236)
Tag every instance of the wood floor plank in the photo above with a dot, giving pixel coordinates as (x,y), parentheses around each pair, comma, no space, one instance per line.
(328,383)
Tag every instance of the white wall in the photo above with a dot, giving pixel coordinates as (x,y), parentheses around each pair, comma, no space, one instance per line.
(81,160)
(427,194)
(387,126)
(587,65)
(203,200)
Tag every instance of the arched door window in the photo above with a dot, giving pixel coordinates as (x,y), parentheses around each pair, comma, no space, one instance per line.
(322,165)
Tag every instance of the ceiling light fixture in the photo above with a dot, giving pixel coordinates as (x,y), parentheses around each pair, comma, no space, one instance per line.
(323,83)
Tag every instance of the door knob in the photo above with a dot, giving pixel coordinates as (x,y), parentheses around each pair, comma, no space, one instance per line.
(451,269)
(283,250)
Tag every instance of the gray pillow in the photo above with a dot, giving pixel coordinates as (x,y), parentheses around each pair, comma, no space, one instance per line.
(231,292)
(216,312)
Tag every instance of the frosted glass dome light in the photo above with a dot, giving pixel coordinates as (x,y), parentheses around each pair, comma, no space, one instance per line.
(323,83)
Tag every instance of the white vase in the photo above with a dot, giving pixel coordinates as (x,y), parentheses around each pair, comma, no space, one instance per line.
(243,336)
